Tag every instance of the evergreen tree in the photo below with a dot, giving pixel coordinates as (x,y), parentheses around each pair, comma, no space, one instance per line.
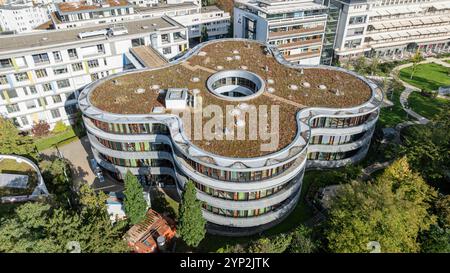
(204,35)
(191,225)
(134,203)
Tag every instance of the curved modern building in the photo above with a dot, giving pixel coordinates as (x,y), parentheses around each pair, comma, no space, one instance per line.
(236,119)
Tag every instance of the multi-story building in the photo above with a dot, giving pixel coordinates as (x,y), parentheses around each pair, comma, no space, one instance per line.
(41,73)
(296,27)
(23,16)
(391,29)
(188,13)
(238,120)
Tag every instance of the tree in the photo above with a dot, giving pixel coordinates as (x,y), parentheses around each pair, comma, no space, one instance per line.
(274,244)
(40,128)
(360,65)
(134,203)
(374,66)
(391,210)
(442,207)
(302,241)
(415,59)
(437,240)
(57,177)
(12,142)
(191,225)
(204,35)
(59,127)
(427,148)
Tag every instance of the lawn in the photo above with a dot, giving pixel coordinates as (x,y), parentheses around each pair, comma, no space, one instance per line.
(391,116)
(428,77)
(62,138)
(426,106)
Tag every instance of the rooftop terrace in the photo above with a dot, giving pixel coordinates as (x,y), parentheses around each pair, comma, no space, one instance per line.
(291,89)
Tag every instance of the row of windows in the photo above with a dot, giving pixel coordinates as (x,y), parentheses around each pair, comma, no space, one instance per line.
(133,128)
(236,176)
(235,81)
(136,163)
(54,113)
(332,122)
(242,196)
(238,213)
(135,146)
(336,140)
(332,156)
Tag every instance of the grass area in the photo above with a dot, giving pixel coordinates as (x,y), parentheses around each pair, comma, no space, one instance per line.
(391,116)
(62,138)
(428,77)
(426,106)
(163,203)
(448,61)
(11,166)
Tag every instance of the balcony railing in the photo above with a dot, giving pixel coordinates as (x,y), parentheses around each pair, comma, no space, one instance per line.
(278,34)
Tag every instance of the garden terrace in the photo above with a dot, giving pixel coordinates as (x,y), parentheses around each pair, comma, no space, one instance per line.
(292,89)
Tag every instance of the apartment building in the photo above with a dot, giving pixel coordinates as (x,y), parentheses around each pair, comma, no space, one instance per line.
(188,13)
(296,27)
(391,29)
(23,16)
(41,73)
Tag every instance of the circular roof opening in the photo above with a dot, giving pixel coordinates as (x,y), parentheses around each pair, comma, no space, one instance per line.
(236,85)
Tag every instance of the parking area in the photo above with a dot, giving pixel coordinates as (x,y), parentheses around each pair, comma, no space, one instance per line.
(79,154)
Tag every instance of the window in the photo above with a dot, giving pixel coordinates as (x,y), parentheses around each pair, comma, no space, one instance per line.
(72,53)
(41,58)
(352,43)
(3,79)
(12,108)
(31,104)
(137,42)
(5,63)
(93,63)
(94,76)
(165,38)
(47,87)
(100,48)
(57,56)
(355,31)
(357,20)
(41,73)
(11,93)
(24,121)
(60,70)
(77,67)
(55,113)
(71,109)
(20,77)
(42,102)
(56,98)
(63,83)
(32,90)
(167,50)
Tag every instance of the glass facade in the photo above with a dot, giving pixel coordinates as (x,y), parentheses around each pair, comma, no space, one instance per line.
(132,128)
(136,163)
(333,122)
(323,156)
(135,146)
(335,140)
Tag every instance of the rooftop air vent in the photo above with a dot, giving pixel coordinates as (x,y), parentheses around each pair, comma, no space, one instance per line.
(219,67)
(270,81)
(139,91)
(322,87)
(271,90)
(195,79)
(293,87)
(306,85)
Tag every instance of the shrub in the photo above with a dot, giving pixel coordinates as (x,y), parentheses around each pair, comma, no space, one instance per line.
(40,128)
(59,127)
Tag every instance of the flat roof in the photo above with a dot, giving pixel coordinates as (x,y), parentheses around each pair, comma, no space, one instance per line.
(55,37)
(117,95)
(67,7)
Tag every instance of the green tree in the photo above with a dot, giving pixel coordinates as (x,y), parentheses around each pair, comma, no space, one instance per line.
(415,59)
(134,203)
(57,177)
(204,35)
(436,240)
(273,244)
(13,142)
(374,66)
(302,241)
(392,210)
(427,147)
(191,224)
(360,65)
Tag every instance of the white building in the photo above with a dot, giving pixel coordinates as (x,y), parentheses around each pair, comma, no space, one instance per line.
(391,29)
(23,16)
(296,26)
(41,73)
(188,13)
